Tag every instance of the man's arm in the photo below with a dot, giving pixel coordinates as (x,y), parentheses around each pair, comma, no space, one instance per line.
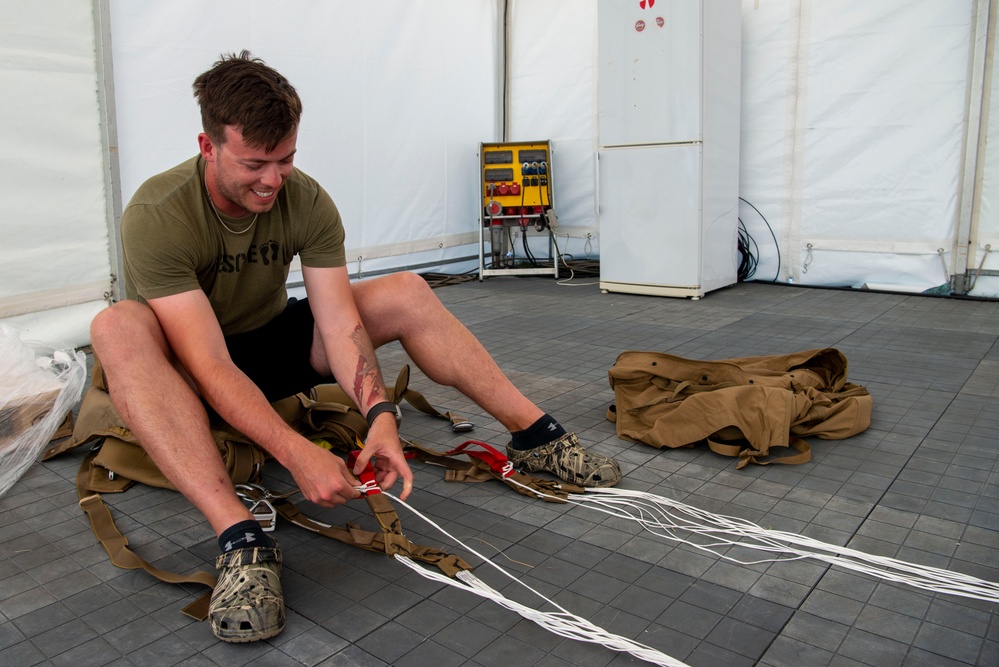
(195,337)
(350,356)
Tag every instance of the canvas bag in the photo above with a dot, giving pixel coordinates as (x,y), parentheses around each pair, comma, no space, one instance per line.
(740,407)
(121,461)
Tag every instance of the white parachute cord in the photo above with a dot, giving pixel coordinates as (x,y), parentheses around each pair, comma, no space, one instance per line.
(569,627)
(919,576)
(662,516)
(563,623)
(473,551)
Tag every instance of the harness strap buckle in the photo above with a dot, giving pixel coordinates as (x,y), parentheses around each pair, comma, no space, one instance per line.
(259,501)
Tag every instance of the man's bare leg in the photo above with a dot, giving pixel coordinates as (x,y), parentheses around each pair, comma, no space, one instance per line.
(156,402)
(403,307)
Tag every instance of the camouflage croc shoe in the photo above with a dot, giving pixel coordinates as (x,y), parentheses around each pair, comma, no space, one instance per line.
(568,460)
(247,604)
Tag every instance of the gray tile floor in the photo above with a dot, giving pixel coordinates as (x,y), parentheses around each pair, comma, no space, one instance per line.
(922,484)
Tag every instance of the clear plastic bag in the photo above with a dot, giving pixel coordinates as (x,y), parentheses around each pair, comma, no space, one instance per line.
(39,385)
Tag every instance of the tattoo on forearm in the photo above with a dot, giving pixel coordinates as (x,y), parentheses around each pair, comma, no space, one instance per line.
(368,385)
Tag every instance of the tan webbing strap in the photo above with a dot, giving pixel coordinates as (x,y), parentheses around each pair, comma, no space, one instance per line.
(247,462)
(389,541)
(449,564)
(804,455)
(352,534)
(402,391)
(116,545)
(382,542)
(384,513)
(725,449)
(328,414)
(457,470)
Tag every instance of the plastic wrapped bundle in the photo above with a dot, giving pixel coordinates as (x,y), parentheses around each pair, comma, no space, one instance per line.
(39,385)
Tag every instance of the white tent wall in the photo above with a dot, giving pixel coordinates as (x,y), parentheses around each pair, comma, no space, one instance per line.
(397,95)
(55,255)
(853,130)
(872,148)
(860,130)
(551,75)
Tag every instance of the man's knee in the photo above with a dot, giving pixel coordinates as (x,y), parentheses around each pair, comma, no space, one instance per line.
(396,292)
(395,306)
(410,284)
(121,315)
(127,322)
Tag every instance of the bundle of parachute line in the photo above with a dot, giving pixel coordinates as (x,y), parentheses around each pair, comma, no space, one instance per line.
(676,522)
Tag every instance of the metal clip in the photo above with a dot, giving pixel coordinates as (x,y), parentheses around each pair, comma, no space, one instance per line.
(368,488)
(462,427)
(260,506)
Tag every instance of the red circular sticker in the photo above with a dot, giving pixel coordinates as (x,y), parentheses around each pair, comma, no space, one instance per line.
(660,21)
(645,3)
(640,26)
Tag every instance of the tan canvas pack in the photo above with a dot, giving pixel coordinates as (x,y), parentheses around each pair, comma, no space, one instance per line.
(739,407)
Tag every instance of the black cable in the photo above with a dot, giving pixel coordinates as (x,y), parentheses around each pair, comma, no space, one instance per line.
(527,247)
(748,253)
(776,245)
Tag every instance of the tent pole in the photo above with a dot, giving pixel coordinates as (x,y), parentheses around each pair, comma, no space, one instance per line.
(109,141)
(506,11)
(976,130)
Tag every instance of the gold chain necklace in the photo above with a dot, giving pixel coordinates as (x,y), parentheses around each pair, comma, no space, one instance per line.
(219,217)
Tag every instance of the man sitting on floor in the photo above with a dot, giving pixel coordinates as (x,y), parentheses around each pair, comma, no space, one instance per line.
(207,249)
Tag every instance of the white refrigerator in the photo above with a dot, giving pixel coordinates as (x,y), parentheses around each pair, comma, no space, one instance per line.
(668,155)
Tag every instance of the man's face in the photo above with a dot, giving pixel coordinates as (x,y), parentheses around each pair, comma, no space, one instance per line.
(244,179)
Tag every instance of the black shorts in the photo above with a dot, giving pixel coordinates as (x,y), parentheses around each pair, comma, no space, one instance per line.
(276,356)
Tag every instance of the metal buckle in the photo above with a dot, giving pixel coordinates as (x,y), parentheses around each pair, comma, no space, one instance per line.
(260,506)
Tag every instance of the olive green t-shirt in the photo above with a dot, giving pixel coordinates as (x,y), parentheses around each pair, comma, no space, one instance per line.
(173,243)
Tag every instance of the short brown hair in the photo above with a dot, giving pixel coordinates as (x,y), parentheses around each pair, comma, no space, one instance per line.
(240,90)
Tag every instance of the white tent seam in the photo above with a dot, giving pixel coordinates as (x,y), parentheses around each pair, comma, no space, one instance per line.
(418,245)
(875,246)
(34,302)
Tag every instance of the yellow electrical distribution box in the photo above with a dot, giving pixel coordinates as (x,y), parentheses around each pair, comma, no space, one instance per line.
(516,204)
(516,176)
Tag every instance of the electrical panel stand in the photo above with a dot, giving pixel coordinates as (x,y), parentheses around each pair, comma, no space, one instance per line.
(516,204)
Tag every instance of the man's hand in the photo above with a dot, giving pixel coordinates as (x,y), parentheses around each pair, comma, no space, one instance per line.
(384,451)
(322,476)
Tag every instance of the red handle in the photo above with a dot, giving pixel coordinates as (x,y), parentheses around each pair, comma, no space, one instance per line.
(495,459)
(367,476)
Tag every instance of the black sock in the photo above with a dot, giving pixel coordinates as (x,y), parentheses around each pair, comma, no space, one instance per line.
(539,433)
(244,534)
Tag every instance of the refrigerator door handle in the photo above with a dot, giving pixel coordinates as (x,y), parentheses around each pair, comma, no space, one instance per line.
(596,191)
